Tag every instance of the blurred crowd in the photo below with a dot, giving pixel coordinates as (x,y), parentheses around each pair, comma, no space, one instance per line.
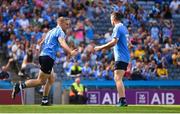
(23,23)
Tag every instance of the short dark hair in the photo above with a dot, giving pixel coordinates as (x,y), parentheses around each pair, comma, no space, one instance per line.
(63,19)
(117,16)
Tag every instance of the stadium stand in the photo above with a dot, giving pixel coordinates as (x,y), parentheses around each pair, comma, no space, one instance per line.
(23,23)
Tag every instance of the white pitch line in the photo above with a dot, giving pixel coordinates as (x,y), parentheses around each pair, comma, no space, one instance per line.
(90,113)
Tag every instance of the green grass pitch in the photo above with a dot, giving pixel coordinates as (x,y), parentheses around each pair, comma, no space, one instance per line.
(89,109)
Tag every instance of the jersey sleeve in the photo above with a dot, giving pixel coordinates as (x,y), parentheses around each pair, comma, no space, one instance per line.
(116,33)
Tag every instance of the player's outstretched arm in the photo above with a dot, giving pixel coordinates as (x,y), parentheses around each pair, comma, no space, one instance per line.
(74,52)
(107,45)
(67,48)
(40,42)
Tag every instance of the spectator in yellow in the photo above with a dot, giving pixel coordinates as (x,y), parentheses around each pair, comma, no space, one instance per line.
(76,70)
(162,72)
(77,93)
(139,52)
(175,57)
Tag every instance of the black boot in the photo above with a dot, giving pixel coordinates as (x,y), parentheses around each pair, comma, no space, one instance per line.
(45,101)
(122,102)
(15,90)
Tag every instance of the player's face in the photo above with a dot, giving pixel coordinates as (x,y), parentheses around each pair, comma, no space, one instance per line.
(112,20)
(66,25)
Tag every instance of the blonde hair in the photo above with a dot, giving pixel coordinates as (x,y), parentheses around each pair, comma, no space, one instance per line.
(62,19)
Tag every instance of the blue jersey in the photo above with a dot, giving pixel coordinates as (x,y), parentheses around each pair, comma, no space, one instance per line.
(51,43)
(121,51)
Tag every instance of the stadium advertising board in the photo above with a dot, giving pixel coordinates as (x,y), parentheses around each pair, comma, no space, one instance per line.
(136,96)
(5,98)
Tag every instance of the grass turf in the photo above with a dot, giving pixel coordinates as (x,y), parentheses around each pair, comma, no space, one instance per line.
(89,109)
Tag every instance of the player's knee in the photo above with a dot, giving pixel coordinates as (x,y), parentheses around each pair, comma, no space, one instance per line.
(118,75)
(117,78)
(42,82)
(51,81)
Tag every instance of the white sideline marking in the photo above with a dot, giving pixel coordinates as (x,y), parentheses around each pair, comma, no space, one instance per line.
(90,113)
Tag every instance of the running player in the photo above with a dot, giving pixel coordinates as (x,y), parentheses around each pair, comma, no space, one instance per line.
(121,54)
(53,39)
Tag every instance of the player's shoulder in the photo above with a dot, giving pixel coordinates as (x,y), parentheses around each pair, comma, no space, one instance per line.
(120,27)
(57,30)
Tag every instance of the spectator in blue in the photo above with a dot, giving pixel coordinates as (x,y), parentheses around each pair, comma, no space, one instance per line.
(36,33)
(89,31)
(90,10)
(14,21)
(86,70)
(67,66)
(155,31)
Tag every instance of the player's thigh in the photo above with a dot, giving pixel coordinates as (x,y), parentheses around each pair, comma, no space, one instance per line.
(119,69)
(46,64)
(119,74)
(43,76)
(46,69)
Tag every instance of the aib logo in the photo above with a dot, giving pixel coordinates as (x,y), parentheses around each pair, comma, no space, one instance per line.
(94,97)
(142,97)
